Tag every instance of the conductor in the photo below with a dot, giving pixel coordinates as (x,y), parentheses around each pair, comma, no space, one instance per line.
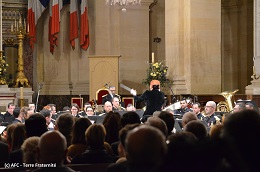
(154,99)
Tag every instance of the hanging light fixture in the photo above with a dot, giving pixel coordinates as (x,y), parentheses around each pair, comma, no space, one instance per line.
(123,2)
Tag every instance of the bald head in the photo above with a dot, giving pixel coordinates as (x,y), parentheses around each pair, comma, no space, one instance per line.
(52,147)
(157,123)
(187,117)
(145,145)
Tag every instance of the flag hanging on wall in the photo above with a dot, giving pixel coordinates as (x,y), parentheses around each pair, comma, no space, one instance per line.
(35,10)
(54,23)
(84,28)
(73,22)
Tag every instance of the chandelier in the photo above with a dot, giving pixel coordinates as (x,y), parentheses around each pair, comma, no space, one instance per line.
(123,2)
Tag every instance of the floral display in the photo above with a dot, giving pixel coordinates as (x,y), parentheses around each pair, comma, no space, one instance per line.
(3,70)
(157,71)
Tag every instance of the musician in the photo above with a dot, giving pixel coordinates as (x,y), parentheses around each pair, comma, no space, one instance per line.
(116,105)
(48,117)
(154,99)
(196,109)
(75,110)
(31,105)
(107,108)
(210,117)
(184,108)
(86,106)
(109,97)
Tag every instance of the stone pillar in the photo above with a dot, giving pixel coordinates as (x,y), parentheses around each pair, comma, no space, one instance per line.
(192,48)
(254,88)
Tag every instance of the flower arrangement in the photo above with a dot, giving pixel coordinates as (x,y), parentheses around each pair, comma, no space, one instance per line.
(3,70)
(157,71)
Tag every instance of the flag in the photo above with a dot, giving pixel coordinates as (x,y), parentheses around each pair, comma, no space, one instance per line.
(84,30)
(35,10)
(73,22)
(54,23)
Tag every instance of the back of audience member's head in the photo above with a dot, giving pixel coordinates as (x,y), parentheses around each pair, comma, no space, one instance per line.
(16,112)
(180,146)
(215,131)
(52,148)
(157,123)
(18,136)
(145,146)
(241,131)
(79,129)
(95,136)
(187,117)
(9,133)
(64,124)
(112,125)
(29,149)
(130,117)
(168,118)
(197,128)
(35,125)
(123,132)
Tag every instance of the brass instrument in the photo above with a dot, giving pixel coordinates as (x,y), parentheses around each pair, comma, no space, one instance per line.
(227,105)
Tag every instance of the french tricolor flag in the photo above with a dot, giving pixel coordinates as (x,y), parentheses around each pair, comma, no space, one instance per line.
(84,28)
(73,22)
(54,23)
(35,10)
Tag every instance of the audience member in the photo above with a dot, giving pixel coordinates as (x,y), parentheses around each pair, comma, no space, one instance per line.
(29,149)
(96,153)
(53,150)
(64,124)
(112,125)
(35,125)
(197,128)
(215,132)
(187,117)
(121,163)
(169,120)
(130,118)
(4,153)
(145,149)
(241,131)
(78,141)
(157,123)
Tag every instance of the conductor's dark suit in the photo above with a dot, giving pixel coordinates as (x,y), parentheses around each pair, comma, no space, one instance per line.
(154,101)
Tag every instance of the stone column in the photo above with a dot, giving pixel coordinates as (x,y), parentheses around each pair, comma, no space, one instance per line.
(192,48)
(254,88)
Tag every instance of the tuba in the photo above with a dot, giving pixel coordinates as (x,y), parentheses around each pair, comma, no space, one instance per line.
(227,105)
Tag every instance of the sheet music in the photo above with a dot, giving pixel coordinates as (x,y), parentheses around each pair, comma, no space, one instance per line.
(125,87)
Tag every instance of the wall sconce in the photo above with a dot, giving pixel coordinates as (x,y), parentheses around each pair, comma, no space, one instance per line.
(157,40)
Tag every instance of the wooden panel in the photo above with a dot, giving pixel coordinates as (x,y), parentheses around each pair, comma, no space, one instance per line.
(102,70)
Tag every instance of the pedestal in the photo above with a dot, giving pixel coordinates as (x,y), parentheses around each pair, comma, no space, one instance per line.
(254,88)
(12,95)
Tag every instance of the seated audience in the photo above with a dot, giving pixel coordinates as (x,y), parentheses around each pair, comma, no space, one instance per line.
(169,120)
(64,124)
(29,149)
(53,151)
(197,128)
(187,117)
(4,153)
(112,125)
(157,123)
(96,153)
(35,125)
(145,149)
